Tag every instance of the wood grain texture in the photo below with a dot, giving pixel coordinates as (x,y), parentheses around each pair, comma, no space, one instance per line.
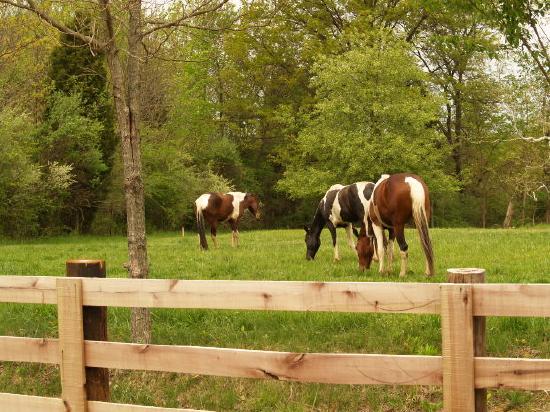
(28,289)
(231,294)
(527,300)
(474,275)
(304,367)
(71,343)
(457,348)
(95,327)
(96,406)
(16,349)
(508,373)
(383,297)
(10,402)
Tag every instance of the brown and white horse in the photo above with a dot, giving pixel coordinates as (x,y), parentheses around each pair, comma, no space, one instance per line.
(220,207)
(395,200)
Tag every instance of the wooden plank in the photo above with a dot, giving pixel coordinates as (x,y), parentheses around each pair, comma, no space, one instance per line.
(24,403)
(507,373)
(338,368)
(95,327)
(264,295)
(16,349)
(489,299)
(457,348)
(380,297)
(97,406)
(71,343)
(512,300)
(474,275)
(28,289)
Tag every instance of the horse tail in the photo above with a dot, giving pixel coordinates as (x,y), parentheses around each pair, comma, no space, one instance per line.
(201,227)
(418,198)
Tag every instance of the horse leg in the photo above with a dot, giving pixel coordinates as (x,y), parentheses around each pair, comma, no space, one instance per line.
(213,231)
(349,233)
(403,247)
(234,233)
(389,250)
(332,230)
(379,235)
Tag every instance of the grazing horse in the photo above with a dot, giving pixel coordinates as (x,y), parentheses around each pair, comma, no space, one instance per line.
(340,207)
(394,201)
(220,207)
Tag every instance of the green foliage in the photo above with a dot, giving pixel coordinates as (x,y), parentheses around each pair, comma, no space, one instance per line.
(373,116)
(28,191)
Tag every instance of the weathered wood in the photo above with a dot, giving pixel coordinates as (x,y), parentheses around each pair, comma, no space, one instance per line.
(71,343)
(512,300)
(506,373)
(457,348)
(474,275)
(11,402)
(95,327)
(16,349)
(95,406)
(303,367)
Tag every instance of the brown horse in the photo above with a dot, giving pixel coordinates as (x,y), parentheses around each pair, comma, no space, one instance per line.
(395,200)
(220,207)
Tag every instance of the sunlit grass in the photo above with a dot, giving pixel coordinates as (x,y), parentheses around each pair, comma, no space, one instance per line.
(518,256)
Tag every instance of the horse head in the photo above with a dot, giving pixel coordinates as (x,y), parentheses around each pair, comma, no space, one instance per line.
(364,248)
(253,205)
(313,242)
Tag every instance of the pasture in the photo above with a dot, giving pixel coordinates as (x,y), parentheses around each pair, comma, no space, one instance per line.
(514,256)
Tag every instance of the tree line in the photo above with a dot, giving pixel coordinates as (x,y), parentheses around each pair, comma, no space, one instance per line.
(280,99)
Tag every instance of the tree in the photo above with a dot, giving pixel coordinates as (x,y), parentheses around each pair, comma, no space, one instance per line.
(124,55)
(373,116)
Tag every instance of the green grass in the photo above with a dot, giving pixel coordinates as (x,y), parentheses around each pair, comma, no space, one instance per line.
(515,256)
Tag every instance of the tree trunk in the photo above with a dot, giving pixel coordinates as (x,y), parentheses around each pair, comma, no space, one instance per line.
(509,214)
(457,152)
(523,203)
(484,211)
(547,214)
(126,102)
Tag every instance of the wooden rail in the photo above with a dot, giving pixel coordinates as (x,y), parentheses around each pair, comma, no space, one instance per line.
(458,370)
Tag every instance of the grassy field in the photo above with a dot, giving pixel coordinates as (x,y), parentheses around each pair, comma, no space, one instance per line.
(518,255)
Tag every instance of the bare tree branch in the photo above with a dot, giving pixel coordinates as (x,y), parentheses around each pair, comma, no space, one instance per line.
(32,7)
(199,11)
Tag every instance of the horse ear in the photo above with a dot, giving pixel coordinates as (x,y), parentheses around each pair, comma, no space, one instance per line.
(306,228)
(355,232)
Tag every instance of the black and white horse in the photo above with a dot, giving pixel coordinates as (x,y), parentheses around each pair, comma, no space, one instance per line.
(342,206)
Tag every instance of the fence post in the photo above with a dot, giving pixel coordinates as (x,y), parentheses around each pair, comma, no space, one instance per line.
(71,344)
(474,275)
(95,327)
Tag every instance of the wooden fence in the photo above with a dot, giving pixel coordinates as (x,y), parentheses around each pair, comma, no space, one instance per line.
(459,371)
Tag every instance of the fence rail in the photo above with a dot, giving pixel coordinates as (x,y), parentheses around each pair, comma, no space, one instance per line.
(458,370)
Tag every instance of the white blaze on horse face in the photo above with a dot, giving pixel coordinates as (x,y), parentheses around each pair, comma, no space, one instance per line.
(238,197)
(202,201)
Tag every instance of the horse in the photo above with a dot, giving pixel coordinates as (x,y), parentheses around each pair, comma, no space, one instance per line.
(365,247)
(395,200)
(223,207)
(340,207)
